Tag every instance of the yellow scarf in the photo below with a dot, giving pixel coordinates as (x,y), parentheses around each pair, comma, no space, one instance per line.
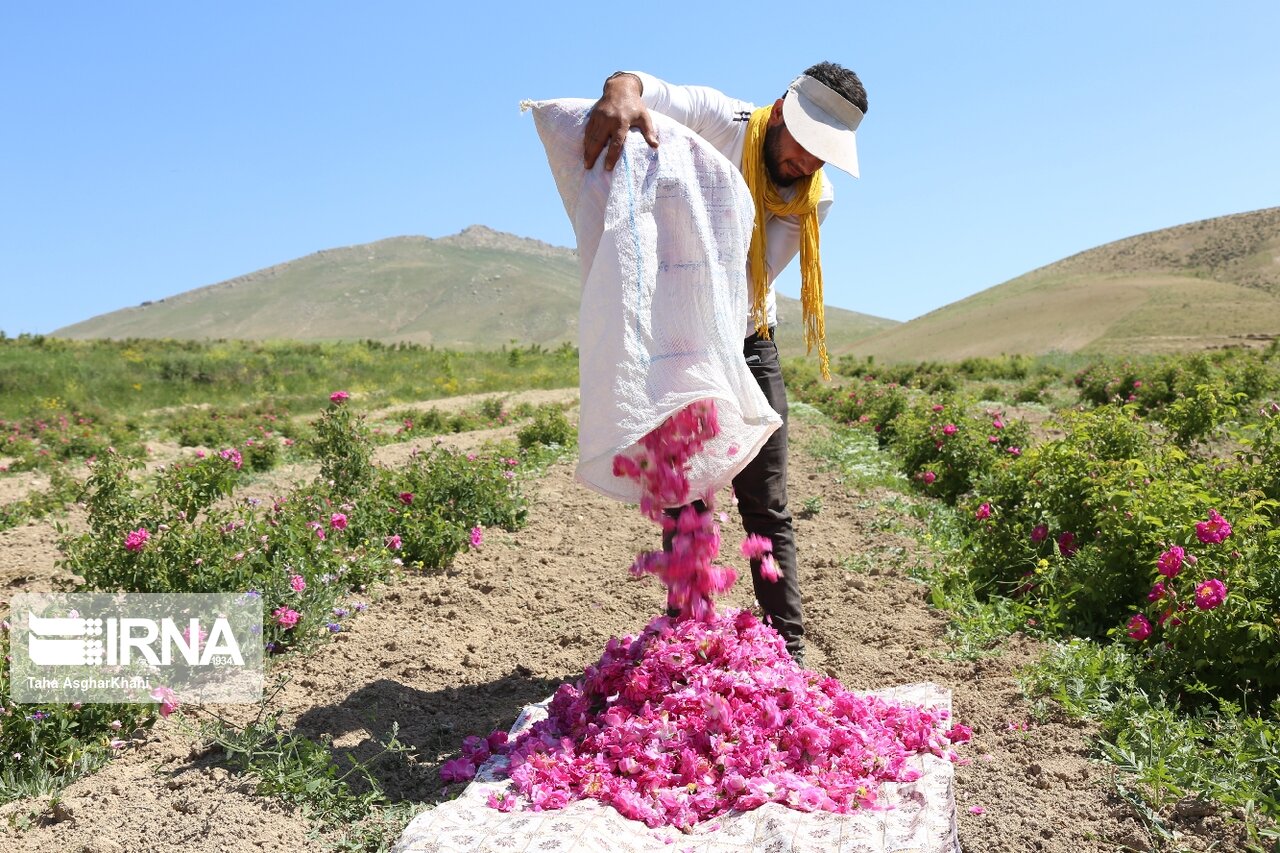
(803,204)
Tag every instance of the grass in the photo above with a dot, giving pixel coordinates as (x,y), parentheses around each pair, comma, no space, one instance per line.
(1218,752)
(131,377)
(849,452)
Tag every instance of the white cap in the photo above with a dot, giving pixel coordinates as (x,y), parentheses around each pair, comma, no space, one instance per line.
(823,121)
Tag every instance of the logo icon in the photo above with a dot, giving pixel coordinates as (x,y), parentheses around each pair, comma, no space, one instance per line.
(45,650)
(115,647)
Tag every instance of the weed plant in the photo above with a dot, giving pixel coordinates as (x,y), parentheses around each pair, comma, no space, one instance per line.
(63,490)
(46,746)
(1221,750)
(302,771)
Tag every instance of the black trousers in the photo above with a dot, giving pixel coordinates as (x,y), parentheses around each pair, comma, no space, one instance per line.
(761,490)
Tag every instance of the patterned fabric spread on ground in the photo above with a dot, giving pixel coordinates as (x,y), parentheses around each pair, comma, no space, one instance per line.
(662,241)
(911,817)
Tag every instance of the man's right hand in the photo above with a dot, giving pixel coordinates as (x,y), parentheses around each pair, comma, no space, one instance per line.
(619,109)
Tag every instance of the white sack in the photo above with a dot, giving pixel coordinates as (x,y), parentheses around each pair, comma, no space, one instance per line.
(663,244)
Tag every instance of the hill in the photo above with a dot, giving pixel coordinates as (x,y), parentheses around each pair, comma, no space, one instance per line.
(1205,284)
(478,289)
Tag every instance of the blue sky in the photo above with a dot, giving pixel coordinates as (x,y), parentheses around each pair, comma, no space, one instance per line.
(150,148)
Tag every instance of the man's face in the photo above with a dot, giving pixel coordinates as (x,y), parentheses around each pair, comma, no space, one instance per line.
(786,159)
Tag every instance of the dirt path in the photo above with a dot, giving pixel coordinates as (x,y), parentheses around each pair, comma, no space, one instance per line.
(460,651)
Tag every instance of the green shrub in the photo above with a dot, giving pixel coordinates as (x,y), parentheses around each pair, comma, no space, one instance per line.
(549,427)
(1155,382)
(1033,391)
(1192,418)
(1063,513)
(868,404)
(426,510)
(343,446)
(57,432)
(1075,528)
(944,447)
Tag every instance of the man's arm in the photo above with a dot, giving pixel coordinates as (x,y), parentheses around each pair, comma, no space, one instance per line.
(628,98)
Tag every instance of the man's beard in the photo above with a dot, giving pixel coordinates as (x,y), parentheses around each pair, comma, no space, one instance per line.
(772,151)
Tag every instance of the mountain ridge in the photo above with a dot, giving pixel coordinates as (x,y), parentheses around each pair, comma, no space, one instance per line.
(479,288)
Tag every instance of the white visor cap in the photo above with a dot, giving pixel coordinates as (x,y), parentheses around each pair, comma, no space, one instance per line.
(823,122)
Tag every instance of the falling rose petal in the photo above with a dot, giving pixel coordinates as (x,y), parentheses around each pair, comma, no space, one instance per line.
(769,568)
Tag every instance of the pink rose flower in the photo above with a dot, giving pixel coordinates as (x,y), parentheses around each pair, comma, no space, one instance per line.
(950,429)
(1170,562)
(339,397)
(406,498)
(1210,594)
(1139,627)
(135,540)
(392,542)
(457,770)
(1213,531)
(984,512)
(1039,533)
(298,583)
(477,537)
(286,617)
(1067,544)
(338,521)
(756,546)
(168,701)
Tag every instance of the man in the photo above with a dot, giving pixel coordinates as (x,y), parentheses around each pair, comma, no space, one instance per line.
(780,151)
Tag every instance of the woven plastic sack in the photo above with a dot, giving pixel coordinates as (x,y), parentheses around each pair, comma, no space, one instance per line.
(663,241)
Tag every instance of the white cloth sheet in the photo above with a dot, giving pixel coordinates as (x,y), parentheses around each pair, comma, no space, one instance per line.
(920,817)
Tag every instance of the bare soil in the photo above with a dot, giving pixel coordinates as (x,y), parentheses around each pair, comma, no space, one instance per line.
(460,651)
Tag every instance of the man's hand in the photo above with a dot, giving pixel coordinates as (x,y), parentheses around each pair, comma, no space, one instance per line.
(618,110)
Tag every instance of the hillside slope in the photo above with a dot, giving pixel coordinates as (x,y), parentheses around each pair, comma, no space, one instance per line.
(1205,284)
(479,289)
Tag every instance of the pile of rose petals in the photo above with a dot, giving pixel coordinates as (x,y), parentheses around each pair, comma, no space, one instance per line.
(693,719)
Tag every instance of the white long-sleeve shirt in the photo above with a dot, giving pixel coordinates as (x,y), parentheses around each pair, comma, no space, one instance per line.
(722,121)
